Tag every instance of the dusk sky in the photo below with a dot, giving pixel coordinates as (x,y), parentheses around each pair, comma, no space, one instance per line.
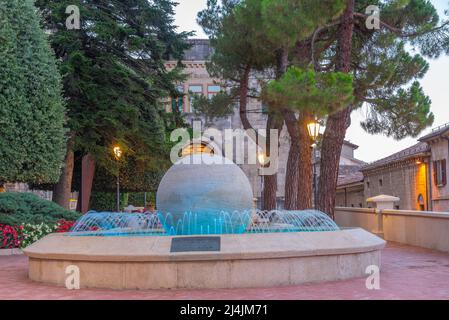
(371,147)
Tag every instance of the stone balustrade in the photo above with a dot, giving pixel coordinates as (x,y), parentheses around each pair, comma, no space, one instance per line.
(416,228)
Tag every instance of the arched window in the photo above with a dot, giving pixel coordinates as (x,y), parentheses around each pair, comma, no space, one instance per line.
(421,203)
(196,148)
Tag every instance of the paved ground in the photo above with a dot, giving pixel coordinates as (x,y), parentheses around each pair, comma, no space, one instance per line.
(408,273)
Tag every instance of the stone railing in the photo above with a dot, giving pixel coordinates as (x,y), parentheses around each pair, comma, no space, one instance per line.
(416,228)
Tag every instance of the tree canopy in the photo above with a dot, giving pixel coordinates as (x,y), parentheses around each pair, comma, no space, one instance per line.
(32,111)
(114,76)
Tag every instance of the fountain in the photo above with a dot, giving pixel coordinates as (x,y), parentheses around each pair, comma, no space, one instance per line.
(205,235)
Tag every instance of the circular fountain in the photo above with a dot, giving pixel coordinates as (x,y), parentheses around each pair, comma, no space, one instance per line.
(205,235)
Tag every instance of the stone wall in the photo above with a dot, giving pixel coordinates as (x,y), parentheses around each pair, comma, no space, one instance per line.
(421,229)
(406,181)
(440,194)
(352,196)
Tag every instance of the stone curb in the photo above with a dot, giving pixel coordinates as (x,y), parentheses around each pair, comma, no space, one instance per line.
(10,252)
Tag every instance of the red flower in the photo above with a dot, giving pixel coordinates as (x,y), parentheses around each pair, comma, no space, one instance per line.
(64,226)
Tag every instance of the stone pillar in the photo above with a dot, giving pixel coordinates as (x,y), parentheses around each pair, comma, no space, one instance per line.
(382,202)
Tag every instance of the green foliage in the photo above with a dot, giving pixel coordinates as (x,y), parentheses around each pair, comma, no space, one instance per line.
(107,201)
(103,201)
(20,208)
(383,73)
(32,113)
(219,106)
(290,21)
(237,34)
(305,90)
(114,76)
(406,113)
(135,176)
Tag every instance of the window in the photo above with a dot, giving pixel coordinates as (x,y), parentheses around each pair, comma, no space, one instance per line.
(212,90)
(194,90)
(439,173)
(381,182)
(177,102)
(367,184)
(421,203)
(196,148)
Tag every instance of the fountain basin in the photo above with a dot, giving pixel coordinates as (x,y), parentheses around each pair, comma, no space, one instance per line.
(243,260)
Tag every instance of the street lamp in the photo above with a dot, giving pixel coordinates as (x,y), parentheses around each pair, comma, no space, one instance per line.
(314,132)
(262,160)
(118,154)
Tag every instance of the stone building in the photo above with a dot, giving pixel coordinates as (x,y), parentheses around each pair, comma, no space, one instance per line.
(417,175)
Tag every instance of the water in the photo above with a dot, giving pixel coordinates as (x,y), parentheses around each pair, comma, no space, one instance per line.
(125,224)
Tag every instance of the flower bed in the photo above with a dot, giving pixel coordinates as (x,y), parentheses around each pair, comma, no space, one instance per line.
(9,237)
(12,237)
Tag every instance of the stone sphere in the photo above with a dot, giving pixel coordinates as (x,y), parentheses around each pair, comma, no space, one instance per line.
(204,197)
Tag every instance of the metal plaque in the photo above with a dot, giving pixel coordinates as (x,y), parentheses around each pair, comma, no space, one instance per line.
(189,244)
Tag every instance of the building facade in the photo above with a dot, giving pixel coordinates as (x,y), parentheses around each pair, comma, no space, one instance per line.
(417,175)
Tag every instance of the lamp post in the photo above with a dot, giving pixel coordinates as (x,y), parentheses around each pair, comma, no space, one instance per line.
(118,154)
(314,132)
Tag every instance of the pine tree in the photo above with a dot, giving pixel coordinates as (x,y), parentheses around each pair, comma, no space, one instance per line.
(32,112)
(114,78)
(383,70)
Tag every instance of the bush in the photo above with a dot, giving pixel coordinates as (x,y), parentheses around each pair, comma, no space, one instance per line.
(107,201)
(21,208)
(104,201)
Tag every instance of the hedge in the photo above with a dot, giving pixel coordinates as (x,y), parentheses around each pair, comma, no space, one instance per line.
(21,208)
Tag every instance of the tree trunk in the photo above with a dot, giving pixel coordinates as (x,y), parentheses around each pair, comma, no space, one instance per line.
(87,178)
(337,123)
(271,181)
(291,174)
(305,169)
(63,189)
(243,99)
(298,184)
(274,122)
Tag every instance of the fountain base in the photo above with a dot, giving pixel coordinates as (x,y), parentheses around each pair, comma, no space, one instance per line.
(248,260)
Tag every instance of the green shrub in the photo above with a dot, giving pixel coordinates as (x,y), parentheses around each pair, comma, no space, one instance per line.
(107,201)
(103,201)
(22,208)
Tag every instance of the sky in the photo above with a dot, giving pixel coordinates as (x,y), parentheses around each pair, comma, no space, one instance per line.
(372,147)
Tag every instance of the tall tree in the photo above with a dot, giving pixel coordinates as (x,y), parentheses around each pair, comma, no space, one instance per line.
(383,71)
(114,76)
(289,24)
(271,30)
(236,32)
(32,112)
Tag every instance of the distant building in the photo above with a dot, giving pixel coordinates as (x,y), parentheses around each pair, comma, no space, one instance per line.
(417,175)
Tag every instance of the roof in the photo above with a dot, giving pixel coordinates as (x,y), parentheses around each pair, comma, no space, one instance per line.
(437,132)
(420,148)
(200,50)
(350,144)
(353,178)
